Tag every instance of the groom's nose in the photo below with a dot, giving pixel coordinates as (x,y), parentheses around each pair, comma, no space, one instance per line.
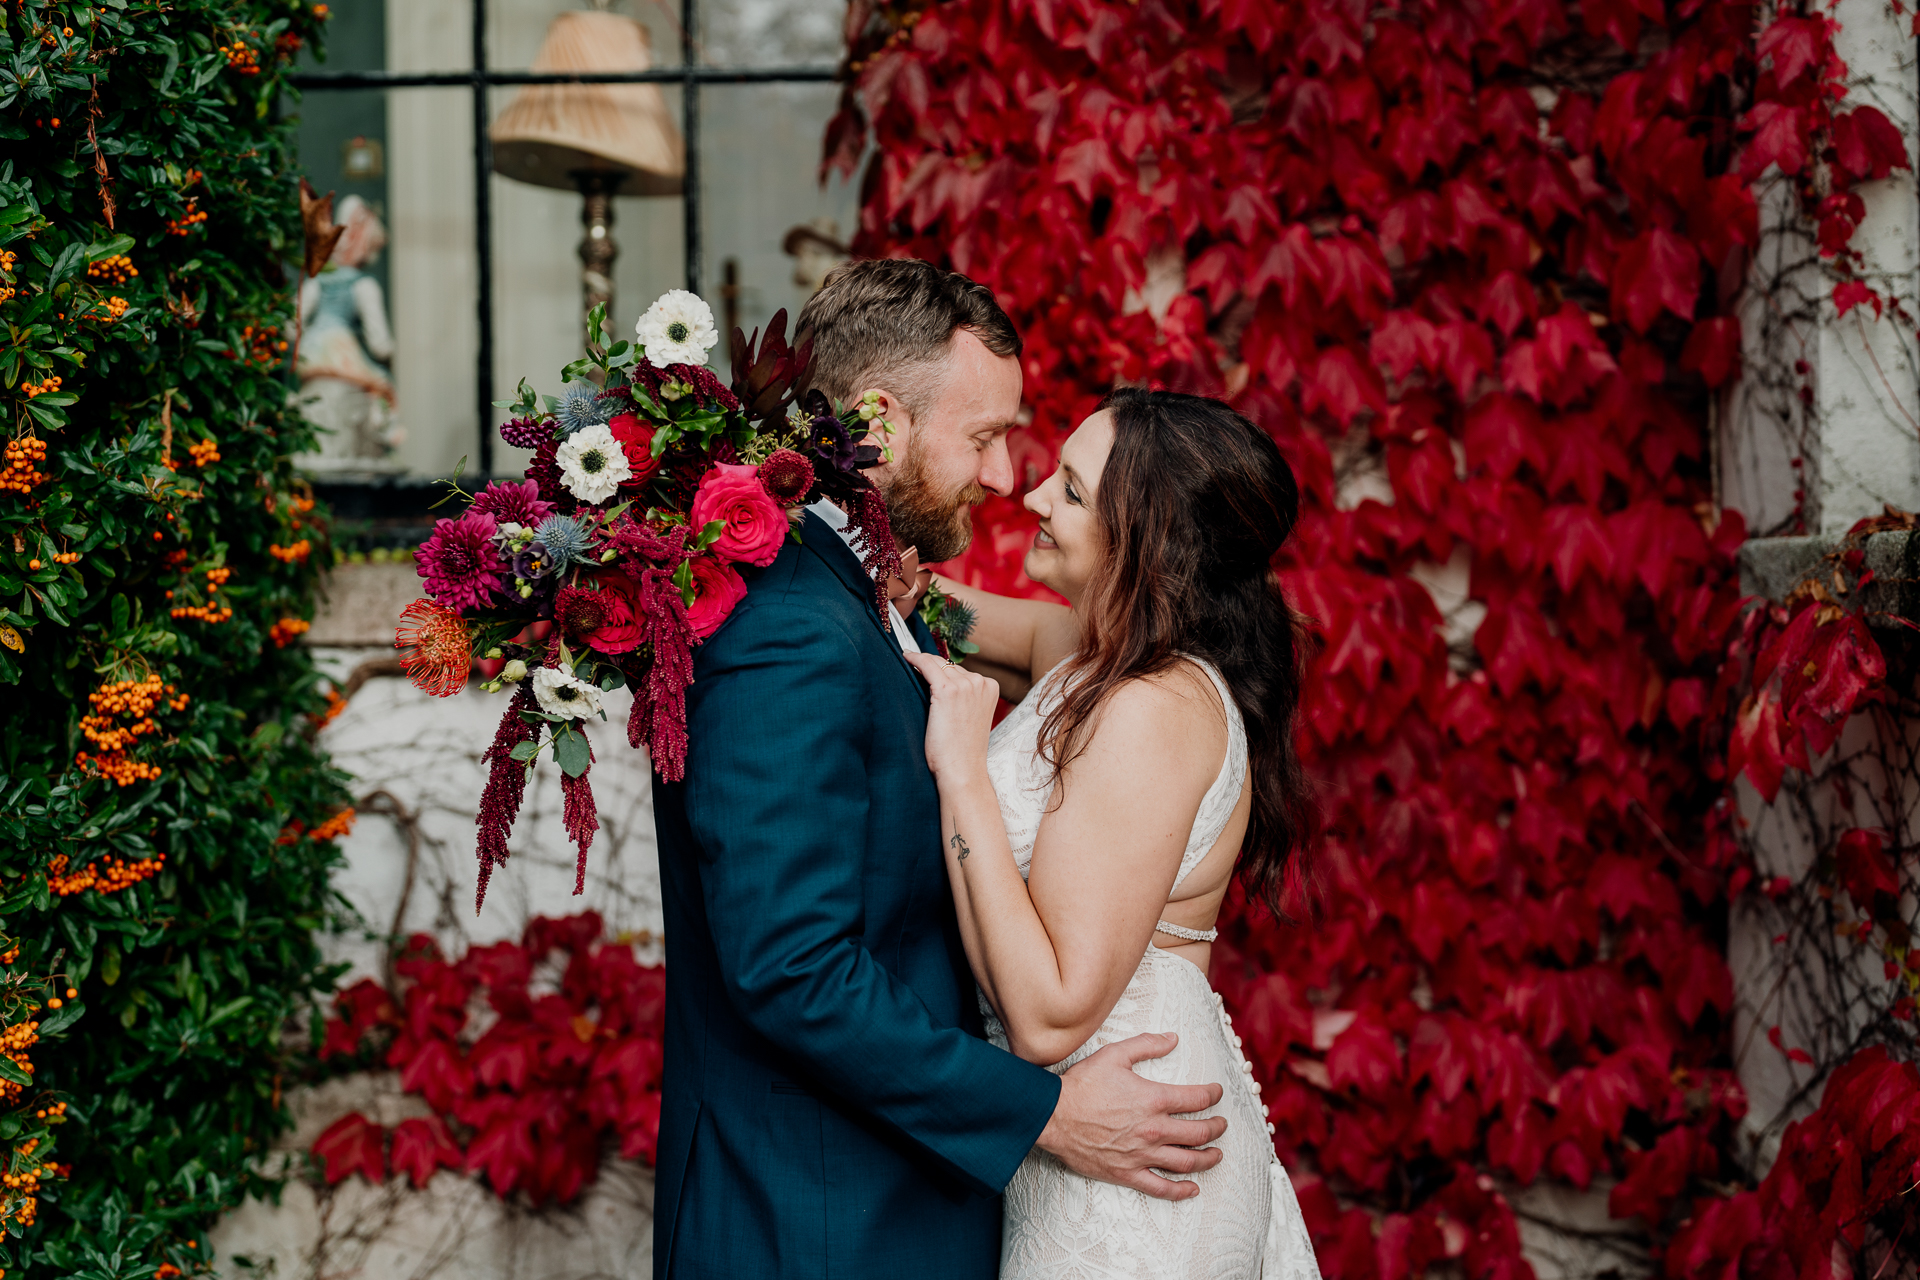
(996,467)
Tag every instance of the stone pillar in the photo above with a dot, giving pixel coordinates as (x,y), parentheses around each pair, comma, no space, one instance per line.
(1838,394)
(1822,430)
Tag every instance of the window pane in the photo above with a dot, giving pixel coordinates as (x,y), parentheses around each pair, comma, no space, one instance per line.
(764,209)
(771,33)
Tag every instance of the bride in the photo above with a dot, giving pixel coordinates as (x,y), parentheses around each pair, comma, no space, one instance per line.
(1092,836)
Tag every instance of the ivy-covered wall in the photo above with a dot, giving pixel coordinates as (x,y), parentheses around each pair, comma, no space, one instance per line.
(166,824)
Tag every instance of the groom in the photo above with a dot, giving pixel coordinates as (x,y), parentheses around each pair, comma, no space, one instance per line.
(830,1108)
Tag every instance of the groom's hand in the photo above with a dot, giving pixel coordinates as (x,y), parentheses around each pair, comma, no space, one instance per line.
(1114,1126)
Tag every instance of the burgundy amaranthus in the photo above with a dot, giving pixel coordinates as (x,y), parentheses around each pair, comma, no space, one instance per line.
(659,718)
(506,787)
(873,539)
(578,815)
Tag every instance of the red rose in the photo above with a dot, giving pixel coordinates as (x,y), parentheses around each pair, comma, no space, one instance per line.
(636,441)
(756,524)
(622,625)
(716,589)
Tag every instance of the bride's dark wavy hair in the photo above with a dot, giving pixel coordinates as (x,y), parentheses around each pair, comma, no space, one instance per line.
(1193,505)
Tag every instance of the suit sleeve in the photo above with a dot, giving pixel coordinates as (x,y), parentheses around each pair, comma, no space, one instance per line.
(777,785)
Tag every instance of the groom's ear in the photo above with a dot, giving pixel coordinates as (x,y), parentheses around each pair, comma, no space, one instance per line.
(891,419)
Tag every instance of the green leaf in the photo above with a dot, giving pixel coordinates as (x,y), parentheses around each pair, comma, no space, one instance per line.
(524,751)
(62,1018)
(709,534)
(11,1072)
(571,752)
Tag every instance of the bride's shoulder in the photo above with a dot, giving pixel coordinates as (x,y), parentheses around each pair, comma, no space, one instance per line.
(1177,708)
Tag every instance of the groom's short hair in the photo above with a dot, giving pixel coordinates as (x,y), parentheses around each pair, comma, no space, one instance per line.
(888,322)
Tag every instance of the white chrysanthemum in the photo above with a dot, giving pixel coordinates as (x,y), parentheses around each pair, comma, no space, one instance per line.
(562,694)
(592,463)
(677,329)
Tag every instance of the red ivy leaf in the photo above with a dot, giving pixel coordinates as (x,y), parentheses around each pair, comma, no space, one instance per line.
(352,1144)
(421,1146)
(1656,269)
(1713,350)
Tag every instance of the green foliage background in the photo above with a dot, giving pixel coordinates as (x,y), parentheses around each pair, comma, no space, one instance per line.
(172,1055)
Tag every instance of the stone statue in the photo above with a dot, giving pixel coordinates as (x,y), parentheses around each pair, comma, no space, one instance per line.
(345,344)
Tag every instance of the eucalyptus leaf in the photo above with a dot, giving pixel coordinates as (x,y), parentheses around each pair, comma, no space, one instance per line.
(571,752)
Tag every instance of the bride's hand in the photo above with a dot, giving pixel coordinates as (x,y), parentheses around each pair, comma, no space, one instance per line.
(960,717)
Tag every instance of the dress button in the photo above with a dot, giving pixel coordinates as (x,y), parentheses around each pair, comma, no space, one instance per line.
(1266,1111)
(1236,1042)
(1247,1067)
(1269,1128)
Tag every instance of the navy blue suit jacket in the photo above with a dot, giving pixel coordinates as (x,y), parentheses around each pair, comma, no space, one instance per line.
(830,1108)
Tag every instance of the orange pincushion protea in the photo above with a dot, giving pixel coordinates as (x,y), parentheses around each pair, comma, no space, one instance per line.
(436,647)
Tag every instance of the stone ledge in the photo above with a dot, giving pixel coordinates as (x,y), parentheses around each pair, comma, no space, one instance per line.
(360,604)
(1772,567)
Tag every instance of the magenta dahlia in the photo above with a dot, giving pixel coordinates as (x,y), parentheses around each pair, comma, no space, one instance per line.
(460,562)
(513,502)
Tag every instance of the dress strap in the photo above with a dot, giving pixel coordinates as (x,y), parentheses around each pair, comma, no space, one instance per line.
(1191,935)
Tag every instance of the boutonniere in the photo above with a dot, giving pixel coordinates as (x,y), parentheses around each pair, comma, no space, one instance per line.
(950,621)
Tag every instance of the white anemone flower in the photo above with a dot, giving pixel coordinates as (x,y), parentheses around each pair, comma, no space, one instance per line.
(677,329)
(561,693)
(592,463)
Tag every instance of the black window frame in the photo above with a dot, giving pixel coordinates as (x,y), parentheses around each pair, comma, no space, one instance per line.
(481,78)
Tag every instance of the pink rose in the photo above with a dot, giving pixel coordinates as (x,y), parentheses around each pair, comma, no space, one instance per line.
(756,524)
(623,624)
(636,441)
(716,589)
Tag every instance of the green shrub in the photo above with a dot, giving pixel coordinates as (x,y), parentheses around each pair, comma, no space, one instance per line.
(154,565)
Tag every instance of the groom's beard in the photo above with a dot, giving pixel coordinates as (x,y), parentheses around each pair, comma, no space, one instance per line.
(939,524)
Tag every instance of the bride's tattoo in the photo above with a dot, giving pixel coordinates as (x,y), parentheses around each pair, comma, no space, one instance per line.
(959,842)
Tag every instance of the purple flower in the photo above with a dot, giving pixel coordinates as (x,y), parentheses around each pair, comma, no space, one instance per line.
(460,562)
(511,502)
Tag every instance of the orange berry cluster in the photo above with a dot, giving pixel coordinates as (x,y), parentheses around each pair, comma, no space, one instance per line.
(55,1112)
(14,1043)
(7,259)
(116,307)
(289,555)
(7,292)
(204,454)
(63,557)
(118,767)
(282,633)
(264,344)
(241,57)
(338,825)
(46,386)
(202,613)
(23,459)
(115,270)
(109,875)
(216,577)
(335,705)
(135,699)
(186,222)
(167,1271)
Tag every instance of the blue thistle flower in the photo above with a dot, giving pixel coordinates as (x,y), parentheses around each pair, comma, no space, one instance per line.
(580,406)
(564,538)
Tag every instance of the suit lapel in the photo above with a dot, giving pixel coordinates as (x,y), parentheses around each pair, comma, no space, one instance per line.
(831,549)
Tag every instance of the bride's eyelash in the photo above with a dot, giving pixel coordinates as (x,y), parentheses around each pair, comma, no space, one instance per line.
(1072,497)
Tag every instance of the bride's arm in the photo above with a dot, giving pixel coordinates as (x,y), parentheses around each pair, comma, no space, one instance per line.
(1054,955)
(1024,637)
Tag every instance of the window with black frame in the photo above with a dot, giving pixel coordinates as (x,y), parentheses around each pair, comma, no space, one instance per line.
(628,148)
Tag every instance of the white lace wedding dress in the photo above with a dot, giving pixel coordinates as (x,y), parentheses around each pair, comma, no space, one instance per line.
(1245,1224)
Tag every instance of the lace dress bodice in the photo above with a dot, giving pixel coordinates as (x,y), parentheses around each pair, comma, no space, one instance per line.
(1245,1224)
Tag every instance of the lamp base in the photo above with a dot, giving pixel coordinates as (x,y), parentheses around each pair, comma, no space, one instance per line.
(597,247)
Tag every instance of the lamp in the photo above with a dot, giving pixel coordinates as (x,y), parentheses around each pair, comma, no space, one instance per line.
(601,140)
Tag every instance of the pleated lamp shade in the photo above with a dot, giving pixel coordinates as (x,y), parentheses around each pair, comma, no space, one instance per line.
(550,131)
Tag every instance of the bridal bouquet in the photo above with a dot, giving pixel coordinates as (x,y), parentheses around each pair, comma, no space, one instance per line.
(616,553)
